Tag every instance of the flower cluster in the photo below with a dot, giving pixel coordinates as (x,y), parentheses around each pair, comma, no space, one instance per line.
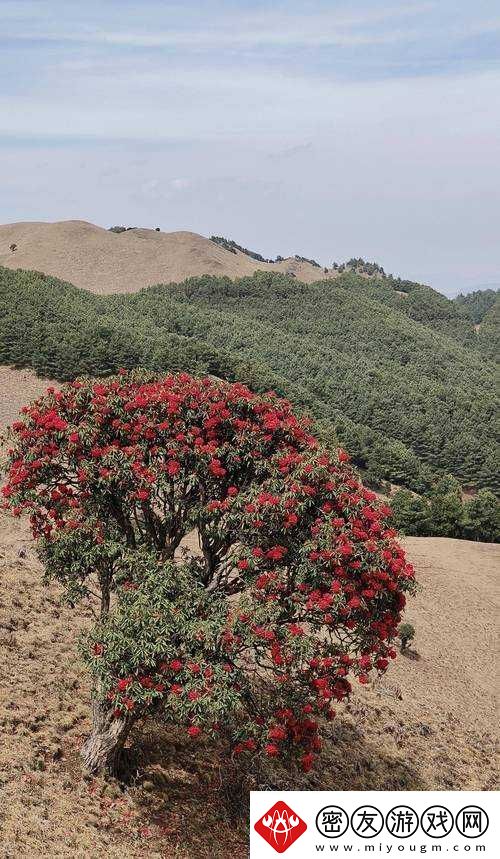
(299,584)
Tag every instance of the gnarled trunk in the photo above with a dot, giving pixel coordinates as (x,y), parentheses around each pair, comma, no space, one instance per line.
(103,748)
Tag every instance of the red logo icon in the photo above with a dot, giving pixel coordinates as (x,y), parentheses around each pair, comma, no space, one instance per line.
(280,827)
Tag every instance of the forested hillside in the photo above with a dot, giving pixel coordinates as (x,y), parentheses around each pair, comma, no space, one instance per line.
(475,305)
(483,309)
(393,368)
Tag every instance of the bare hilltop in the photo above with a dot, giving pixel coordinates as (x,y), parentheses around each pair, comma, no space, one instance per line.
(106,262)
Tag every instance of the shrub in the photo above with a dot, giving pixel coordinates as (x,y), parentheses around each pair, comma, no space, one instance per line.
(406,633)
(411,514)
(310,261)
(446,509)
(481,519)
(299,584)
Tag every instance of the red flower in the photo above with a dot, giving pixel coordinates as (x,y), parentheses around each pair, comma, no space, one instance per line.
(307,761)
(173,467)
(277,733)
(176,689)
(176,665)
(194,731)
(276,553)
(295,629)
(216,468)
(271,750)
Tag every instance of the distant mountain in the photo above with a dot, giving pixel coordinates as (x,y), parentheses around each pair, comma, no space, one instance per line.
(126,260)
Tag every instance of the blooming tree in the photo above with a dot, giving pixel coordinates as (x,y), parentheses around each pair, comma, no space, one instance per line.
(297,588)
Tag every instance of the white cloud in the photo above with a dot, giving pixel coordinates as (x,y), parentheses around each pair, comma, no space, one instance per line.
(294,127)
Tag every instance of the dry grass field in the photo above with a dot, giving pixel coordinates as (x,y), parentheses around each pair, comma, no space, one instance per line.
(104,262)
(428,724)
(18,387)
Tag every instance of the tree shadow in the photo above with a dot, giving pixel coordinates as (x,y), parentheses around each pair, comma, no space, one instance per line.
(198,787)
(410,653)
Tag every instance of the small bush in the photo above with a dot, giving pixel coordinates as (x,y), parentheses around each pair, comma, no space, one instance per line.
(406,633)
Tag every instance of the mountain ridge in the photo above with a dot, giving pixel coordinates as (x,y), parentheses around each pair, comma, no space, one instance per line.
(104,261)
(126,259)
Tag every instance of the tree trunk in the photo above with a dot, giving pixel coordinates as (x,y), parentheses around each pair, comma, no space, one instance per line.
(102,750)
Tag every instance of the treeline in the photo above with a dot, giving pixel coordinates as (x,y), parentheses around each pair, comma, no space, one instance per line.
(233,247)
(360,266)
(443,512)
(410,398)
(475,305)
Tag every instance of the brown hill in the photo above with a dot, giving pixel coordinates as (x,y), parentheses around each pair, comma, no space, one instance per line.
(105,262)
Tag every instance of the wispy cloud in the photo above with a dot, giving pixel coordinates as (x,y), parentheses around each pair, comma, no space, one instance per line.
(236,28)
(271,26)
(367,128)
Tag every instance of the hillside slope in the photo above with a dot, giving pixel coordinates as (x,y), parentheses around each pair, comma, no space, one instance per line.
(18,387)
(104,262)
(428,724)
(396,379)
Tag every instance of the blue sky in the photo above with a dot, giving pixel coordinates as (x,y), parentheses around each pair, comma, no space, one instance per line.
(330,129)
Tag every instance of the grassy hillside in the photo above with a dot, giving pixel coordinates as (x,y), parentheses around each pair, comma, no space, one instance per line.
(392,367)
(126,260)
(436,704)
